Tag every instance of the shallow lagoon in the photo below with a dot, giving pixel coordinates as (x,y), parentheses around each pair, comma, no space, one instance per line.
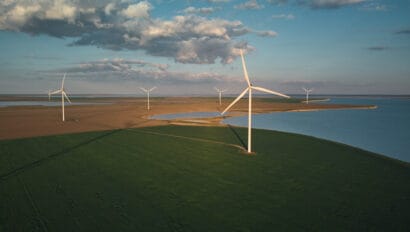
(385,130)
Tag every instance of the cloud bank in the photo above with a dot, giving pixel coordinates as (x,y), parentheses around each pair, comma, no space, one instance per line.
(202,10)
(139,70)
(320,4)
(128,25)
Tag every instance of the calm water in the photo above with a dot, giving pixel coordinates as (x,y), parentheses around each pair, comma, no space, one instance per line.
(385,130)
(42,103)
(186,115)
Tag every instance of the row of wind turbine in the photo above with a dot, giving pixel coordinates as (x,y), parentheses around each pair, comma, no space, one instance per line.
(248,90)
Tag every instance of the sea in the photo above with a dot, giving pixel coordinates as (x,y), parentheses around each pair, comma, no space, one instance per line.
(384,130)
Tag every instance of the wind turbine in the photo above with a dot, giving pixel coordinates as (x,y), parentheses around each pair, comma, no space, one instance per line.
(307,94)
(148,91)
(249,90)
(49,95)
(220,93)
(63,94)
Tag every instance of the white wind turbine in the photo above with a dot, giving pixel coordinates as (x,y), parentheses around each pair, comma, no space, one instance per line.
(148,91)
(220,91)
(49,95)
(63,95)
(249,90)
(307,94)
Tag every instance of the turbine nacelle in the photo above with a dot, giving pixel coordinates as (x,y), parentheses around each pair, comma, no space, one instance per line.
(307,90)
(255,88)
(220,90)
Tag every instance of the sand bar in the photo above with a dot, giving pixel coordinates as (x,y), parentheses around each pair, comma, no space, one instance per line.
(32,121)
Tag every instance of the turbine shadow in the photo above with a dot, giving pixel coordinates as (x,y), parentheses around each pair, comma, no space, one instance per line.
(238,137)
(39,162)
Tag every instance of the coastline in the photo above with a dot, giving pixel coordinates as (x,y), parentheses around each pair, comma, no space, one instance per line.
(372,107)
(32,121)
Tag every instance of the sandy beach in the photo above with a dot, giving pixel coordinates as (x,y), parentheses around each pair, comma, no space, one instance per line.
(32,121)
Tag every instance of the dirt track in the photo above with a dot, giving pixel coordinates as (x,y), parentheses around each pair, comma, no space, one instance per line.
(20,122)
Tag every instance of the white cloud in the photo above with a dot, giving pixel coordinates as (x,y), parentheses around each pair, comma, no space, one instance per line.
(109,8)
(249,5)
(18,15)
(119,24)
(203,10)
(266,33)
(115,65)
(372,6)
(284,16)
(139,10)
(189,39)
(15,14)
(61,10)
(277,2)
(219,1)
(140,70)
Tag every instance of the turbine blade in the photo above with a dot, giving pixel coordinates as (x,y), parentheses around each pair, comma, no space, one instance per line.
(66,97)
(152,88)
(269,91)
(143,89)
(217,90)
(236,100)
(62,83)
(305,89)
(224,90)
(56,91)
(245,71)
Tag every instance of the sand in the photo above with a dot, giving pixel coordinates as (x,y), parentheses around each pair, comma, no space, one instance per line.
(32,121)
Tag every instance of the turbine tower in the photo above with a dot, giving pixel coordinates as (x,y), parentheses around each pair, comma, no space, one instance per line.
(49,95)
(63,95)
(249,90)
(307,94)
(148,91)
(220,93)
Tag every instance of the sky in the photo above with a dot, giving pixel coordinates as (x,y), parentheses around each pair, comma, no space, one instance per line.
(189,47)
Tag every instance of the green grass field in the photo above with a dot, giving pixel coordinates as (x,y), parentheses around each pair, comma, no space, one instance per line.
(175,178)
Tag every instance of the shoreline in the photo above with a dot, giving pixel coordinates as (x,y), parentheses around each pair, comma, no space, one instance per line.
(209,120)
(372,107)
(32,121)
(318,100)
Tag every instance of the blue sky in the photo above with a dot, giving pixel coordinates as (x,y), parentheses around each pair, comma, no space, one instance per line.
(188,47)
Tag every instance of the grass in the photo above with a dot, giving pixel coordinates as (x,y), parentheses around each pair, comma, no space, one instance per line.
(175,178)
